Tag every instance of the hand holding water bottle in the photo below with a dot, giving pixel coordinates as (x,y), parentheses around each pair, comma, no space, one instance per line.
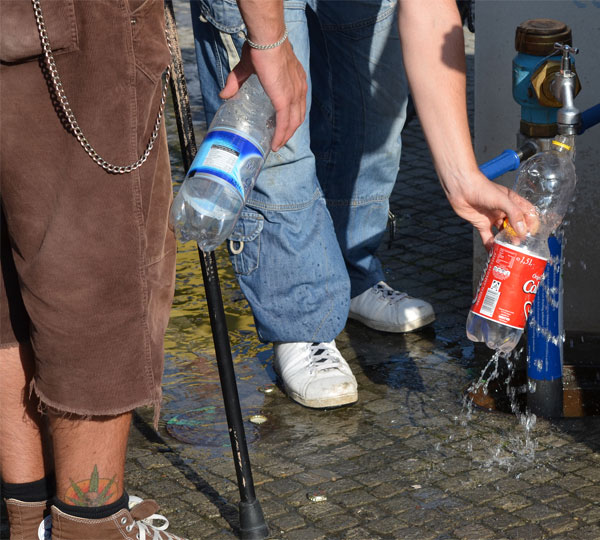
(265,103)
(279,71)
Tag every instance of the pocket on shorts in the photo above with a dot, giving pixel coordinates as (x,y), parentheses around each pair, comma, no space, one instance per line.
(244,243)
(19,36)
(150,47)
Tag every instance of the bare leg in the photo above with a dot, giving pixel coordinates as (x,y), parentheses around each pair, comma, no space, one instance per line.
(89,456)
(22,457)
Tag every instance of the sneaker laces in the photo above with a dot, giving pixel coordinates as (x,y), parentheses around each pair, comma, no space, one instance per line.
(389,294)
(156,532)
(323,356)
(144,525)
(144,514)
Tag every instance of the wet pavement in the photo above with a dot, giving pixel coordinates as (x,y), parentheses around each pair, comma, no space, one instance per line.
(410,460)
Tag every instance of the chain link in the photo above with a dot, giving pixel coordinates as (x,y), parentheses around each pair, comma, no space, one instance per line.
(70,116)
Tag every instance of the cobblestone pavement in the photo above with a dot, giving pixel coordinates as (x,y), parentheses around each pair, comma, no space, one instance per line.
(410,460)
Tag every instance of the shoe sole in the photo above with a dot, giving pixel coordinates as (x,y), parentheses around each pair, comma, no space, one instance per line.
(329,403)
(393,328)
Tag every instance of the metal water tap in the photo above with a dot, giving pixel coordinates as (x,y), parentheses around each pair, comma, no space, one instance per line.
(568,116)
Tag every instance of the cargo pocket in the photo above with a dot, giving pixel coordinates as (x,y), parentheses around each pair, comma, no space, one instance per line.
(19,36)
(244,243)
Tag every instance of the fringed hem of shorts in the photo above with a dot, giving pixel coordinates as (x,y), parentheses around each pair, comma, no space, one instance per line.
(47,406)
(13,344)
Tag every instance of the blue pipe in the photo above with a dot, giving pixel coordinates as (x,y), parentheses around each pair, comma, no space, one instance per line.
(589,118)
(507,161)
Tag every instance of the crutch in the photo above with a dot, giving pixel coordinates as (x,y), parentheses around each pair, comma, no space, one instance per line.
(252,521)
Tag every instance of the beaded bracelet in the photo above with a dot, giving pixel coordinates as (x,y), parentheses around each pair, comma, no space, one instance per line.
(271,46)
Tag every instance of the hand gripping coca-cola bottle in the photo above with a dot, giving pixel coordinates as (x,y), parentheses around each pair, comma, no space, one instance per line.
(516,264)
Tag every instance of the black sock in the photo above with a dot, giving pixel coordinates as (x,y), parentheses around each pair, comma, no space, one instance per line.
(40,490)
(93,512)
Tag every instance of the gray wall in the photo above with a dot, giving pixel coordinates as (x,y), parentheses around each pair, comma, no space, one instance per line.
(497,123)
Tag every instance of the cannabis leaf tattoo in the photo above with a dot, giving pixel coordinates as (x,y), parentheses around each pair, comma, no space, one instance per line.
(94,491)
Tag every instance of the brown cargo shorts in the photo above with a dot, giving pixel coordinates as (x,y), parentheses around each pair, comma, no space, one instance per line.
(88,259)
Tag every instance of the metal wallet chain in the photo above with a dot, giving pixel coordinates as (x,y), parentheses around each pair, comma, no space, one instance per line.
(64,103)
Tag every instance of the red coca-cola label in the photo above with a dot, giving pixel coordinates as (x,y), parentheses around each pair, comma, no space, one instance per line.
(508,286)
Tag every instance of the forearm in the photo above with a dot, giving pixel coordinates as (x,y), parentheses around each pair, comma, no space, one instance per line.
(433,47)
(264,20)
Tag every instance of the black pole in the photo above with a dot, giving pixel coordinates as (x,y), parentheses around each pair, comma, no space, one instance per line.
(252,521)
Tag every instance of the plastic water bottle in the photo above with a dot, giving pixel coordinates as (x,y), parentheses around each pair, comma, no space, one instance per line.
(516,265)
(225,168)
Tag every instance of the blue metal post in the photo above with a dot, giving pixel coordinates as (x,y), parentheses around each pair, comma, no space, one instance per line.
(545,340)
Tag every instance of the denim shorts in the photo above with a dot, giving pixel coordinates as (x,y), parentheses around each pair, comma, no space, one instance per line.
(88,260)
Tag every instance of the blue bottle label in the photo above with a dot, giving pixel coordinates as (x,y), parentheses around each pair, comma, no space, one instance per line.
(229,155)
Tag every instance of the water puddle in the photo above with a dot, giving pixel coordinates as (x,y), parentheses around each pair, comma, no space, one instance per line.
(193,403)
(193,408)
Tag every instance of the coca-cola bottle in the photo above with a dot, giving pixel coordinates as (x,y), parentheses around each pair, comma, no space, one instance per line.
(516,264)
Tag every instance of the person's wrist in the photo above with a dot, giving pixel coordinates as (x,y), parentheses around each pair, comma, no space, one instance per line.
(266,47)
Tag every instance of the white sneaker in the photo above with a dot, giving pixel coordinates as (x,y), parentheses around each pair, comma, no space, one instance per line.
(45,529)
(315,374)
(385,309)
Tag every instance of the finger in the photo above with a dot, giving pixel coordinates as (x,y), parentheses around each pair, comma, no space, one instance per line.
(487,238)
(302,101)
(516,216)
(533,221)
(281,134)
(234,81)
(297,117)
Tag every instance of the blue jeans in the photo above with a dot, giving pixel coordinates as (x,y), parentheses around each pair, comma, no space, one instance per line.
(319,209)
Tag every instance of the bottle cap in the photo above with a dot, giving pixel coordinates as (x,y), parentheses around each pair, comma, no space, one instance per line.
(506,226)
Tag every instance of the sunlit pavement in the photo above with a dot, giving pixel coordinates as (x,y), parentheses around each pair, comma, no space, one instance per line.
(410,460)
